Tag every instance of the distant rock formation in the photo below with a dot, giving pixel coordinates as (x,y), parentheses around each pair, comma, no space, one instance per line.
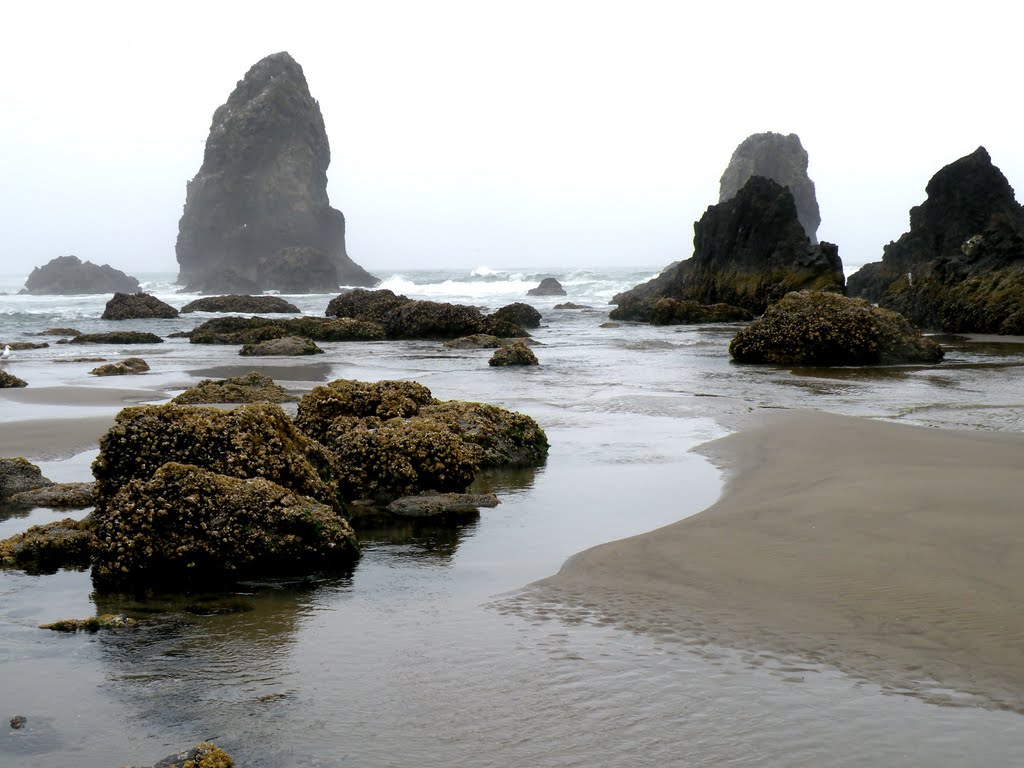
(549,286)
(749,252)
(257,215)
(782,159)
(69,275)
(960,268)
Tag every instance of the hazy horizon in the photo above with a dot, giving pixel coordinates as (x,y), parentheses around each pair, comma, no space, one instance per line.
(558,134)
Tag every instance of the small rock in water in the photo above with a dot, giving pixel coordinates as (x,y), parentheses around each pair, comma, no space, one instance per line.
(18,721)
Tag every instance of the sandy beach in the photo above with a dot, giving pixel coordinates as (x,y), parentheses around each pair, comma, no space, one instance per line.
(892,552)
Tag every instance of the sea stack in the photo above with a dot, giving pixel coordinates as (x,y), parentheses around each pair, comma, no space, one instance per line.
(748,252)
(960,268)
(260,196)
(782,159)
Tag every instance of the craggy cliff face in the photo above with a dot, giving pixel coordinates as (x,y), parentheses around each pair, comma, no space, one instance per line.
(262,189)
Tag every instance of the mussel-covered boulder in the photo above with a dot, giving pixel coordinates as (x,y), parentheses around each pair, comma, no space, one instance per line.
(252,330)
(252,440)
(69,275)
(10,381)
(519,314)
(748,251)
(126,367)
(253,387)
(549,286)
(254,305)
(817,328)
(46,548)
(513,354)
(134,306)
(18,474)
(960,268)
(393,438)
(286,346)
(189,526)
(118,337)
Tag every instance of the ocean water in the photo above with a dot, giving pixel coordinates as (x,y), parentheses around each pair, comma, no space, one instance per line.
(413,659)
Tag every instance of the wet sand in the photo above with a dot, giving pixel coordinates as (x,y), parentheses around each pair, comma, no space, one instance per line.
(895,553)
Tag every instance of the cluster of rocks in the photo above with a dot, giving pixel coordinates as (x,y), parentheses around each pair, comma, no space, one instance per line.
(187,495)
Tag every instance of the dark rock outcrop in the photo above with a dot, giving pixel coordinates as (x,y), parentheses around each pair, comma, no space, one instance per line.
(549,286)
(658,311)
(10,381)
(749,252)
(960,268)
(254,305)
(441,504)
(254,387)
(477,341)
(257,215)
(128,366)
(519,314)
(513,354)
(817,328)
(393,439)
(286,346)
(69,275)
(17,475)
(118,337)
(135,306)
(405,318)
(781,158)
(252,330)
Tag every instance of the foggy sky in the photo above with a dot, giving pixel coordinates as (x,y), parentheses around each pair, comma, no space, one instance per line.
(500,133)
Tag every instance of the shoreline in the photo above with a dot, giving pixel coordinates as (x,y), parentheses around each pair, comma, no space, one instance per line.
(888,551)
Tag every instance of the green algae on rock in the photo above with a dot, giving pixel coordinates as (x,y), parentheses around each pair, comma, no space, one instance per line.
(253,387)
(819,328)
(186,526)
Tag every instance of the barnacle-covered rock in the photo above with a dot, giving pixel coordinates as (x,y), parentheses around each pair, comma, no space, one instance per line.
(505,438)
(252,440)
(117,337)
(238,303)
(441,504)
(518,313)
(204,755)
(18,475)
(817,328)
(46,548)
(477,341)
(253,387)
(93,623)
(128,366)
(384,400)
(59,496)
(10,381)
(669,311)
(286,346)
(513,354)
(251,330)
(188,525)
(132,306)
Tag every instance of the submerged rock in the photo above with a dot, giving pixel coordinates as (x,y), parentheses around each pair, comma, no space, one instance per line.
(93,623)
(128,366)
(18,474)
(69,275)
(257,215)
(134,306)
(253,387)
(960,268)
(205,755)
(189,526)
(781,158)
(816,328)
(439,504)
(549,286)
(237,303)
(513,354)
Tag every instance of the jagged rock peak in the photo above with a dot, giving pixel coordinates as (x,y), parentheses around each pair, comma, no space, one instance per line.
(261,194)
(781,158)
